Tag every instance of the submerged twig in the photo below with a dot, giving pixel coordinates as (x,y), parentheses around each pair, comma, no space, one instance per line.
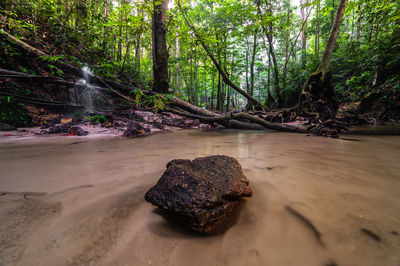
(300,216)
(371,234)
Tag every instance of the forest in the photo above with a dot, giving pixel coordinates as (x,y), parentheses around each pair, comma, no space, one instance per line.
(221,56)
(200,132)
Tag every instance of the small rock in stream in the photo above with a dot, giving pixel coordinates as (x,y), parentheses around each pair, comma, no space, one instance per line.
(136,129)
(203,193)
(77,131)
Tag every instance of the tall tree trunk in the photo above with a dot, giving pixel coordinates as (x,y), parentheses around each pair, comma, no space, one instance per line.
(317,96)
(119,52)
(247,66)
(359,22)
(139,43)
(326,57)
(276,73)
(212,92)
(317,27)
(287,37)
(190,88)
(137,52)
(105,28)
(303,12)
(253,58)
(228,96)
(333,12)
(177,85)
(160,53)
(219,102)
(195,79)
(271,51)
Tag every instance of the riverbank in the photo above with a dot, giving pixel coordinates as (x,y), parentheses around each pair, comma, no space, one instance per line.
(86,201)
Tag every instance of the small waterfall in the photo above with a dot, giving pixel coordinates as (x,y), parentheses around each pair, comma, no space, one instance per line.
(86,93)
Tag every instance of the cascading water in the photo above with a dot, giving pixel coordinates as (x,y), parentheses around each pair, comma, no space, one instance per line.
(85,91)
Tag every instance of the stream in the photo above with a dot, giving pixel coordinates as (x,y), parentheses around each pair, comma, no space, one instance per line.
(80,201)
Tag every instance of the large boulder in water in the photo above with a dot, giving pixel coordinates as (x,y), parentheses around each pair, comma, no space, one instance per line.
(203,193)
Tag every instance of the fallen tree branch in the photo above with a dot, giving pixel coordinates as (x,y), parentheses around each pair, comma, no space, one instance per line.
(232,117)
(228,123)
(306,221)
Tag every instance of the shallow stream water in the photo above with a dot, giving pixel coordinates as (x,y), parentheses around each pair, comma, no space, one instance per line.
(94,211)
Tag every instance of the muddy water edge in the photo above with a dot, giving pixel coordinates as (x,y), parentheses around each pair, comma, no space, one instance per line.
(317,201)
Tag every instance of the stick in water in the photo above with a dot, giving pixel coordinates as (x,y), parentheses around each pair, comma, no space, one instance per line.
(317,234)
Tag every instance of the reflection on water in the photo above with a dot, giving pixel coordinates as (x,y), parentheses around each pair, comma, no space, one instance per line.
(342,187)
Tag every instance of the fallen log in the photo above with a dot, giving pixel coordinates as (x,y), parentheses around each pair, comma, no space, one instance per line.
(228,123)
(233,118)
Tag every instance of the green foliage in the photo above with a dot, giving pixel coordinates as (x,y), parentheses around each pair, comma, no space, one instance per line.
(52,59)
(138,96)
(12,112)
(96,119)
(105,34)
(156,102)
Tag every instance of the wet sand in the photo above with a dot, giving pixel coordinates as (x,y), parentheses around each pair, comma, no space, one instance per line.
(80,201)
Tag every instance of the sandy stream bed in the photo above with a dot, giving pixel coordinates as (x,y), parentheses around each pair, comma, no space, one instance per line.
(79,201)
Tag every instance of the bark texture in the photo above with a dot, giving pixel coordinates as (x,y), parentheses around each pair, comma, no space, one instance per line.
(160,52)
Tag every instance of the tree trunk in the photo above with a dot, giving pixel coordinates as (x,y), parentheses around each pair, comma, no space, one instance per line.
(139,43)
(177,62)
(272,54)
(212,92)
(303,36)
(190,88)
(160,53)
(317,32)
(317,96)
(219,102)
(228,96)
(195,79)
(247,66)
(137,52)
(326,58)
(105,28)
(119,52)
(253,58)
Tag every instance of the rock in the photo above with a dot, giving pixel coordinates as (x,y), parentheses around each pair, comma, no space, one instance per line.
(136,129)
(6,127)
(77,131)
(58,128)
(203,193)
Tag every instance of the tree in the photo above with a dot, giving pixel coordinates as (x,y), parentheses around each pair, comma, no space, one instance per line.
(160,53)
(317,95)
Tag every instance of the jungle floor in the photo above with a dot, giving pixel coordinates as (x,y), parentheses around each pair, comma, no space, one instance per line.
(80,201)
